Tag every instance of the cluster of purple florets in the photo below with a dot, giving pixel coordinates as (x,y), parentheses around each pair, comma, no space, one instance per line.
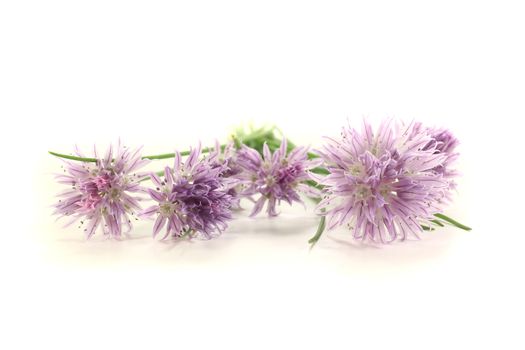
(195,197)
(383,185)
(387,184)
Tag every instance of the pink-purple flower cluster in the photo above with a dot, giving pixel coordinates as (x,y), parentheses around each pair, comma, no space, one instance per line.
(193,199)
(225,158)
(103,193)
(275,177)
(385,185)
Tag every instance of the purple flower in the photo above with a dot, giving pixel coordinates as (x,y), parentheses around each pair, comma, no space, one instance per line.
(226,159)
(446,144)
(443,142)
(275,177)
(384,185)
(101,193)
(192,199)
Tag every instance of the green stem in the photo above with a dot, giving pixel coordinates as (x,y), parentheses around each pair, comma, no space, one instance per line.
(252,137)
(66,156)
(157,156)
(319,232)
(183,153)
(172,155)
(452,222)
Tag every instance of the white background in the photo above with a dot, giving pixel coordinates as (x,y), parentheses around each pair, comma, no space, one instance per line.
(167,74)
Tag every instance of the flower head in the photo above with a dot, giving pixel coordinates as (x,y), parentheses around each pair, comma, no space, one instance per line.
(446,144)
(384,185)
(192,199)
(102,193)
(276,177)
(225,158)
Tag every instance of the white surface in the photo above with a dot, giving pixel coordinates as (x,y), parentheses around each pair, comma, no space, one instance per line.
(165,75)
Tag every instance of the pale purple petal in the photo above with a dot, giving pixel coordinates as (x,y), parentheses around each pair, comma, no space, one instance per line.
(159,224)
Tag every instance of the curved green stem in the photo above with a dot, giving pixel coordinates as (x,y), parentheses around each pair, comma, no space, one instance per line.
(320,229)
(452,222)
